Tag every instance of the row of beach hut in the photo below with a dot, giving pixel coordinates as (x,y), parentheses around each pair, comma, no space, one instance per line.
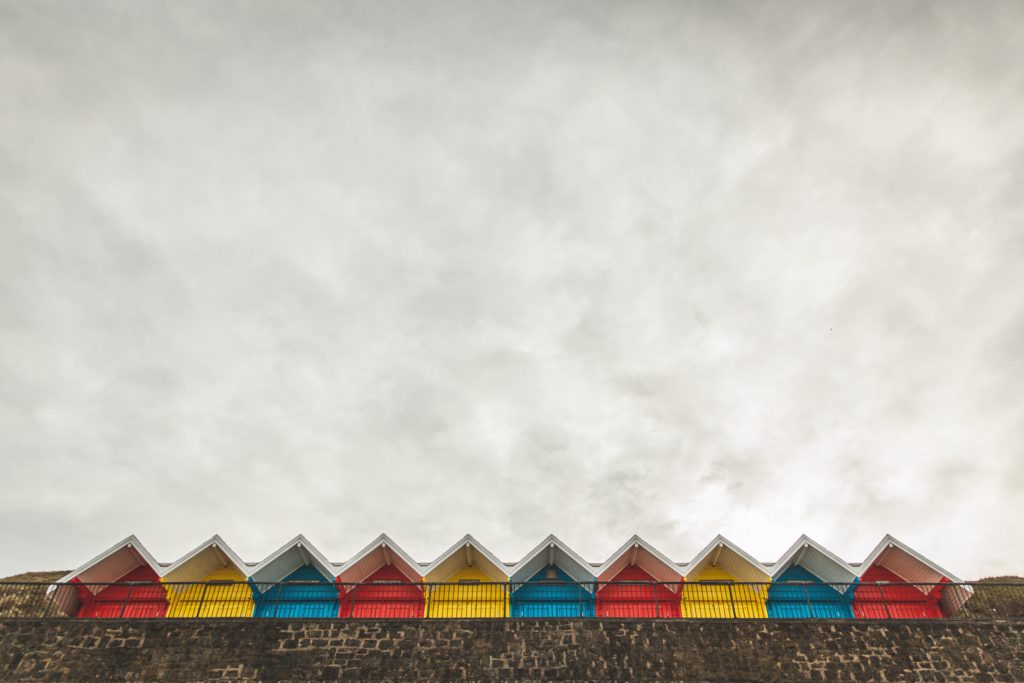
(468,581)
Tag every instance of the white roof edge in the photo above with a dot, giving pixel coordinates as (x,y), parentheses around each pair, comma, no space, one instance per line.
(298,540)
(383,539)
(463,542)
(890,540)
(548,541)
(635,539)
(131,541)
(720,540)
(213,541)
(781,564)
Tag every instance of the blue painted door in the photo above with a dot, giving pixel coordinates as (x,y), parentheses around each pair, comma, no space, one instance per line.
(314,598)
(799,594)
(551,594)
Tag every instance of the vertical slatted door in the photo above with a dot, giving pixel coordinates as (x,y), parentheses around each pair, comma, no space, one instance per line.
(125,598)
(799,594)
(468,594)
(551,593)
(221,593)
(385,594)
(634,594)
(894,598)
(714,594)
(304,593)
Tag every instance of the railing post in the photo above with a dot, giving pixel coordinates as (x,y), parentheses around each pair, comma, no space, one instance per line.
(732,600)
(355,600)
(885,601)
(807,599)
(202,598)
(277,597)
(657,607)
(127,597)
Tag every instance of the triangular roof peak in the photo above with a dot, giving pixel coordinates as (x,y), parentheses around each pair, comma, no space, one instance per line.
(926,571)
(215,543)
(817,559)
(297,552)
(721,552)
(380,552)
(450,561)
(553,551)
(633,552)
(119,555)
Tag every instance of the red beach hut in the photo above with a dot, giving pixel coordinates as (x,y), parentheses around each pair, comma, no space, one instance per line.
(381,582)
(121,582)
(638,582)
(897,582)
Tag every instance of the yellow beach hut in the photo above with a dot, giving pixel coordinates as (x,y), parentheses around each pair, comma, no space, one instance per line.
(467,581)
(724,582)
(208,581)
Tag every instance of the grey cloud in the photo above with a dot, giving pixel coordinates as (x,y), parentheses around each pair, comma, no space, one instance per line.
(587,268)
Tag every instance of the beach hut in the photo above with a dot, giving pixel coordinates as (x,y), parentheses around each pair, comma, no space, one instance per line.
(638,581)
(121,582)
(809,581)
(208,581)
(724,582)
(381,582)
(552,581)
(295,581)
(897,582)
(466,581)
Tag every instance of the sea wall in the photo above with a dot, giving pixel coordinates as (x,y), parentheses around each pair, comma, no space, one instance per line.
(509,650)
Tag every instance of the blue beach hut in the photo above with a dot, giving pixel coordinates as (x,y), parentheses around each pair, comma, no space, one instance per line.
(552,581)
(810,582)
(297,581)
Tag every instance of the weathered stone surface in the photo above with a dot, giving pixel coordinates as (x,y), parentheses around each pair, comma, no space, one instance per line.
(536,650)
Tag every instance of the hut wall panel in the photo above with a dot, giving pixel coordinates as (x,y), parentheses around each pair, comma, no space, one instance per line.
(656,568)
(739,567)
(365,567)
(113,567)
(204,563)
(823,567)
(285,565)
(457,562)
(562,560)
(907,567)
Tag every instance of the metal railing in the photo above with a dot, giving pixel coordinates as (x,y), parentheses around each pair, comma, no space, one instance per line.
(400,600)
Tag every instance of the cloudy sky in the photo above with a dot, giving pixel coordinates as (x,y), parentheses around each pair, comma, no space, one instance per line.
(590,268)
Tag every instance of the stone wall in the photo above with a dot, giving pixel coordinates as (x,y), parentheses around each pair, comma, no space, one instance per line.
(270,650)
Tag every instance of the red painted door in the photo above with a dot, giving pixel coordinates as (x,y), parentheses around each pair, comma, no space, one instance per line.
(121,599)
(385,594)
(632,594)
(894,599)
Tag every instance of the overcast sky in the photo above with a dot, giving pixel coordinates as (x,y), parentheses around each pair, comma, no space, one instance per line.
(512,268)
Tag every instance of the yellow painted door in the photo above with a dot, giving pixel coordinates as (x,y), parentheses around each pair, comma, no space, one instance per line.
(207,601)
(718,598)
(467,594)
